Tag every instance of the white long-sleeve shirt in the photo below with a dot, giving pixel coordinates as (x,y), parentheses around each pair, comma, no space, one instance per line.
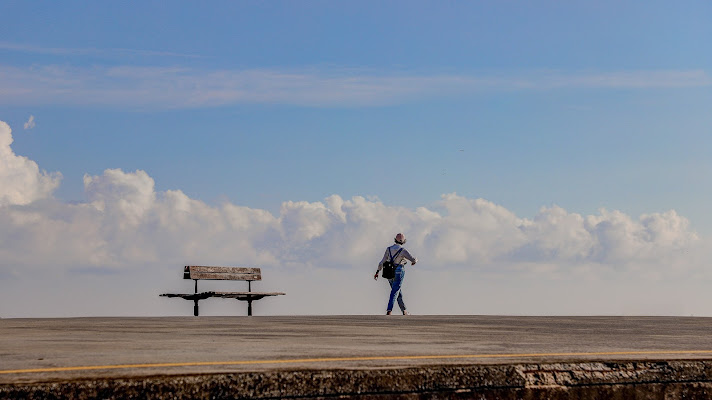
(403,255)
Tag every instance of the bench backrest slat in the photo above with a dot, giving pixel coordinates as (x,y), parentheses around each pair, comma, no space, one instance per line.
(222,273)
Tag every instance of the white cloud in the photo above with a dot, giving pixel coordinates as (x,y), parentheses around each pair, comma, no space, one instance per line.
(21,181)
(172,87)
(323,253)
(30,123)
(129,195)
(130,223)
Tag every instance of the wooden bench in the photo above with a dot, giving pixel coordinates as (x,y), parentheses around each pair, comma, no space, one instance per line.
(223,273)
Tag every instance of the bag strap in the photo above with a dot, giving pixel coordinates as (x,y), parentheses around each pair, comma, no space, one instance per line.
(395,255)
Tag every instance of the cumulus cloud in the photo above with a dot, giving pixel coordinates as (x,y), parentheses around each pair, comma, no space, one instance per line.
(21,181)
(126,226)
(126,222)
(125,197)
(30,123)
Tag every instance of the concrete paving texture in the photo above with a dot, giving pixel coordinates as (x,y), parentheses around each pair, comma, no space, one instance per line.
(38,351)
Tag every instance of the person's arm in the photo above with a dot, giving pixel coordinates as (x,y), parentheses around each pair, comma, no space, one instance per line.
(409,257)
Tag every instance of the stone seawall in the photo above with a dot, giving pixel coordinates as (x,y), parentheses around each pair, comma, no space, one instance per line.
(679,379)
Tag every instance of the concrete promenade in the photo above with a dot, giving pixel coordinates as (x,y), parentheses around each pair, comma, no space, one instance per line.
(86,353)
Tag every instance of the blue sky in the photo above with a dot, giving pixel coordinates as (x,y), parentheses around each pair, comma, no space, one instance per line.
(581,105)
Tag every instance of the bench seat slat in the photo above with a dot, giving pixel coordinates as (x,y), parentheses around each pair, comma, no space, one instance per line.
(222,273)
(225,276)
(221,294)
(245,296)
(190,296)
(225,294)
(232,295)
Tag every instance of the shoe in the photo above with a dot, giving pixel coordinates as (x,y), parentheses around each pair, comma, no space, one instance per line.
(388,313)
(406,313)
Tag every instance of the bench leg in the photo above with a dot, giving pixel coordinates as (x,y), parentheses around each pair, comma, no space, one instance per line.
(195,308)
(249,308)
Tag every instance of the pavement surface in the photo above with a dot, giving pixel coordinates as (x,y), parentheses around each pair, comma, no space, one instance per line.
(46,350)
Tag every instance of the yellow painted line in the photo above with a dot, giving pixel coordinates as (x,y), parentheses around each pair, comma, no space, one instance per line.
(341,359)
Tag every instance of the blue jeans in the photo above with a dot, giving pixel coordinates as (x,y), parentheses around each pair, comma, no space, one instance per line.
(396,292)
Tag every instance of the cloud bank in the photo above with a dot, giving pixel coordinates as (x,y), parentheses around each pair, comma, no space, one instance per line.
(127,228)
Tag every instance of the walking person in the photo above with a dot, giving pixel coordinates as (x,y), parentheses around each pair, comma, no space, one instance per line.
(395,257)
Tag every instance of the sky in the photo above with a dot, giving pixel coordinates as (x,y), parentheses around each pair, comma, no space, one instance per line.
(542,158)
